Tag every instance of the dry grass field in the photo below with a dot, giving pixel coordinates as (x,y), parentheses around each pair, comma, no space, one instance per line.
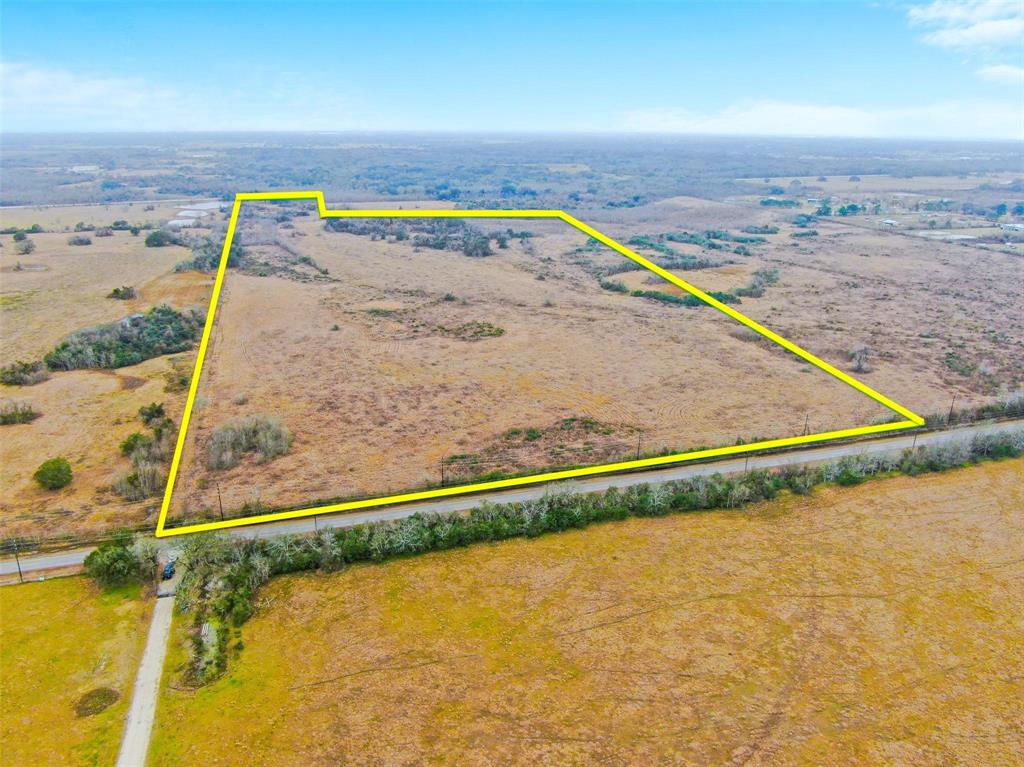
(393,364)
(44,296)
(64,217)
(59,641)
(877,625)
(404,392)
(938,318)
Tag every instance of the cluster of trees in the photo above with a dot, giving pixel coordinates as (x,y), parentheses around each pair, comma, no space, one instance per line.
(771,202)
(161,330)
(435,233)
(123,293)
(123,559)
(161,238)
(206,256)
(222,576)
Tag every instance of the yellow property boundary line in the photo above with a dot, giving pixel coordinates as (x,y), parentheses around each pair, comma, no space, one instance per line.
(911,421)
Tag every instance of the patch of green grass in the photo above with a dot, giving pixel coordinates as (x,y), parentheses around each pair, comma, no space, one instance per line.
(60,641)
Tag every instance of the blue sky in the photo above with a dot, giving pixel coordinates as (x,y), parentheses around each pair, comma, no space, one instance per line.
(942,69)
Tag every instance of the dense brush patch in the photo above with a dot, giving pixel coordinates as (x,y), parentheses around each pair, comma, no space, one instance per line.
(161,330)
(252,434)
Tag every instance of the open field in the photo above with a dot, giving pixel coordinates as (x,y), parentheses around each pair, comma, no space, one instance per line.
(874,625)
(385,361)
(395,397)
(937,318)
(886,184)
(46,295)
(62,218)
(61,640)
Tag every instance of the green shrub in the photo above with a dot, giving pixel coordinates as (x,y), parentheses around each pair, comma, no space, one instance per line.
(79,239)
(135,442)
(160,238)
(53,474)
(614,285)
(23,373)
(760,279)
(252,434)
(152,413)
(123,293)
(122,560)
(17,412)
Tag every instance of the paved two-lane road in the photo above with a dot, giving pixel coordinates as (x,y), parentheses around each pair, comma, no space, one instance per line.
(590,484)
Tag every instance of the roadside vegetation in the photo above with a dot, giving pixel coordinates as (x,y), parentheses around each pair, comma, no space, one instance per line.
(222,575)
(125,558)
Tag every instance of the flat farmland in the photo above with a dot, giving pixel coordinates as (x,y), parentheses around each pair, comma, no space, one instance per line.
(68,656)
(936,318)
(46,295)
(876,625)
(387,361)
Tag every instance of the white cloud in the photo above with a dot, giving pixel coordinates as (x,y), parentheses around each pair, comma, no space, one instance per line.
(46,98)
(24,86)
(971,24)
(974,119)
(1003,74)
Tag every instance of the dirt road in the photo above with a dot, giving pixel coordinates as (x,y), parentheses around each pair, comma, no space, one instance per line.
(139,722)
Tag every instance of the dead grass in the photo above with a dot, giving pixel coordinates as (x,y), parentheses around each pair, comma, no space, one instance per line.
(86,414)
(870,626)
(378,404)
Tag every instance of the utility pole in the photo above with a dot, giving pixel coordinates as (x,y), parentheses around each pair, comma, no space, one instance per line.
(639,435)
(746,463)
(951,404)
(807,421)
(442,471)
(220,502)
(17,560)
